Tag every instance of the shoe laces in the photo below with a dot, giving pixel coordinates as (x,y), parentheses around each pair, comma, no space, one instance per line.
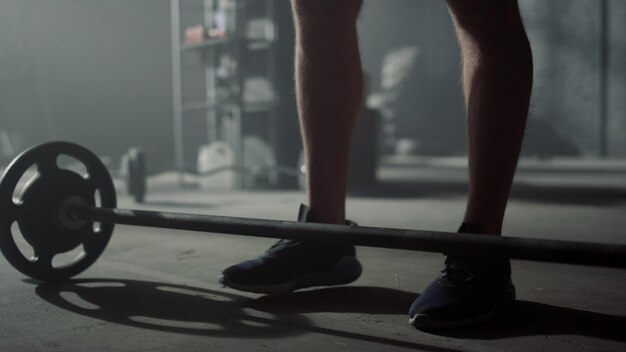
(281,245)
(455,271)
(462,269)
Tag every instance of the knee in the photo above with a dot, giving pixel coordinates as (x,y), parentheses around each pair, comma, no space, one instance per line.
(326,13)
(488,21)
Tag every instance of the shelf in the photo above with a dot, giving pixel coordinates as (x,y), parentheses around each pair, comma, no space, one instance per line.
(259,44)
(258,107)
(247,107)
(218,108)
(205,43)
(255,44)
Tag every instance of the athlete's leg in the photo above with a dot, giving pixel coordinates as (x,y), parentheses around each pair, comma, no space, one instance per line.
(329,89)
(497,80)
(328,86)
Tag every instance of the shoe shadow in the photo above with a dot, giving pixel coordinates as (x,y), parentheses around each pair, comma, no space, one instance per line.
(525,319)
(534,319)
(345,299)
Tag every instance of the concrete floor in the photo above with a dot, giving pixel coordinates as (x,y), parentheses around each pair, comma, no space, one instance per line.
(157,290)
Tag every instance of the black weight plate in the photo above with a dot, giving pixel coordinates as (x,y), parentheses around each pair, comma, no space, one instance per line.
(38,212)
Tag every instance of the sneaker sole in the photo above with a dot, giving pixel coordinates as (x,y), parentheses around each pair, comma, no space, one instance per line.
(347,270)
(423,321)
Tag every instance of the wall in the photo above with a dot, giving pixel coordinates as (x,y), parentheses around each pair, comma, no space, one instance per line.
(90,71)
(565,111)
(99,73)
(430,107)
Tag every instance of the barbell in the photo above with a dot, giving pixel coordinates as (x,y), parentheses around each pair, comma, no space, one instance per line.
(58,210)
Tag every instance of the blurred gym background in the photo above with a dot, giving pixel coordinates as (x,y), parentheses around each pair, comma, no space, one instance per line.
(205,87)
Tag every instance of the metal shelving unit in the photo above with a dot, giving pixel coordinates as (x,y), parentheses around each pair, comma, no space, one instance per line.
(225,61)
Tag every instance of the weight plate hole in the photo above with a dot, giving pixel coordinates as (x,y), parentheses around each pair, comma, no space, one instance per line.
(25,248)
(28,176)
(194,293)
(175,324)
(97,198)
(70,257)
(72,164)
(100,284)
(98,203)
(75,299)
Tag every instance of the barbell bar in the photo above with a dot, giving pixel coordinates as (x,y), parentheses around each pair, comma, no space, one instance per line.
(57,212)
(586,253)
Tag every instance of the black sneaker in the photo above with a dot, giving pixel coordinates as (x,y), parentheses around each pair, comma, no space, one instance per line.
(290,265)
(470,290)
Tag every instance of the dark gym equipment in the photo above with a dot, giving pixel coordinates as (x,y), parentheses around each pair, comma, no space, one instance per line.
(135,173)
(58,211)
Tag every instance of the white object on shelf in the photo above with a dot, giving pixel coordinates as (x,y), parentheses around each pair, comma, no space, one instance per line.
(214,166)
(257,90)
